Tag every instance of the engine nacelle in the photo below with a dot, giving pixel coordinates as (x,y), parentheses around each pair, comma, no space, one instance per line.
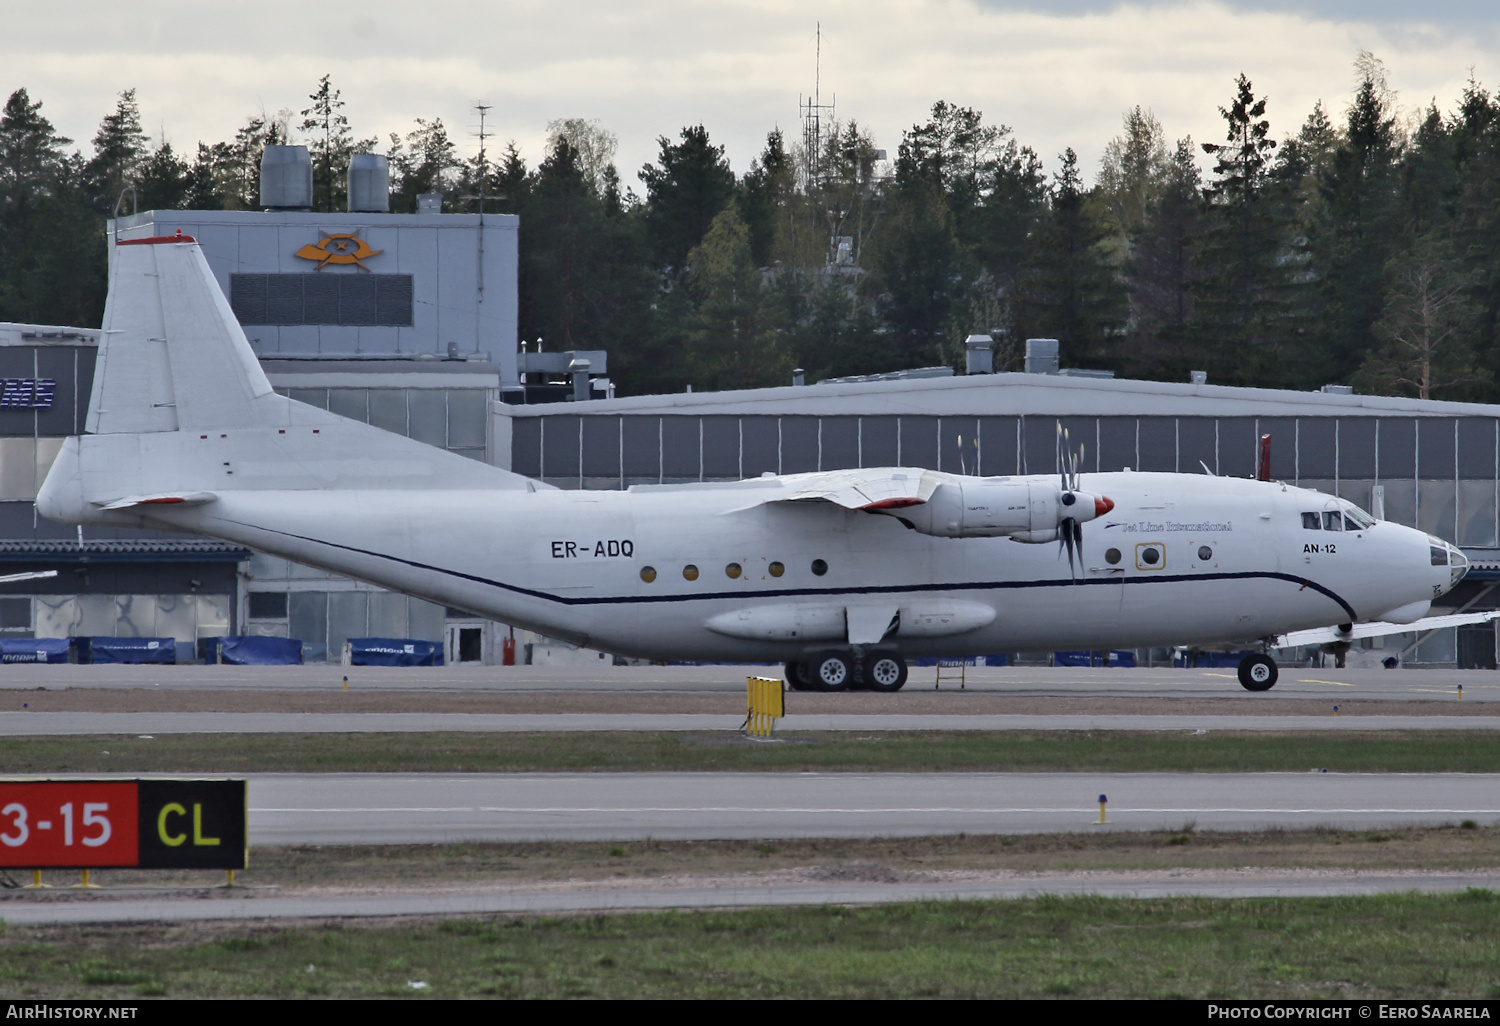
(1027,510)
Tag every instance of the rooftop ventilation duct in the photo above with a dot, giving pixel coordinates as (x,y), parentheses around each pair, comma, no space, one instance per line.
(1198,377)
(1041,356)
(286,178)
(579,368)
(979,354)
(429,203)
(369,184)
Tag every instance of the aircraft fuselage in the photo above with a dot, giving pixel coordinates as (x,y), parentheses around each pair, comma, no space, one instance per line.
(1180,560)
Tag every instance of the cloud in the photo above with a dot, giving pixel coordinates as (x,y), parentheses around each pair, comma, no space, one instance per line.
(647,69)
(1443,12)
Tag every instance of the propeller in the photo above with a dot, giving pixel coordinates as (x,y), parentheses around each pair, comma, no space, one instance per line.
(1070,529)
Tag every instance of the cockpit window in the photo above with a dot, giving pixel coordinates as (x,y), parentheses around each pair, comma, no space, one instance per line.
(1333,520)
(1360,517)
(1439,556)
(1310,522)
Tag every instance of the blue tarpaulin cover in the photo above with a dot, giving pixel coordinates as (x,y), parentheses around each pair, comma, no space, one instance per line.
(126,650)
(1116,657)
(33,650)
(1209,659)
(252,650)
(394,652)
(994,659)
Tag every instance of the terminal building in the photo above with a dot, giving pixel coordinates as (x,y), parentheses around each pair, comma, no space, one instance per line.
(408,322)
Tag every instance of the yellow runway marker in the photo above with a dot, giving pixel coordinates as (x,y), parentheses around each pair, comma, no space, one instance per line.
(1231,676)
(1340,683)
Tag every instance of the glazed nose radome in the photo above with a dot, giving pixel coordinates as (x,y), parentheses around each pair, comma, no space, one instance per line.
(1458,565)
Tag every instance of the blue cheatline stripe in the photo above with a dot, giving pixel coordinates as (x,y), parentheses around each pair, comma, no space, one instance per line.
(883,589)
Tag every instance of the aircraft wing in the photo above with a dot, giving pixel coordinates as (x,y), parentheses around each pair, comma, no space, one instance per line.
(884,488)
(1377,628)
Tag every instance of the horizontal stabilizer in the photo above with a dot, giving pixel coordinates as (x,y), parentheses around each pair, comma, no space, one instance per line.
(1379,628)
(164,499)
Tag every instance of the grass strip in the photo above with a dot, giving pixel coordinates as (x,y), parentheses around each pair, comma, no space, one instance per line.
(620,751)
(1466,847)
(1382,946)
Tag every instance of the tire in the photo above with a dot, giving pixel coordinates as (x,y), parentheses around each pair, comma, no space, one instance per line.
(831,671)
(885,671)
(1258,672)
(796,676)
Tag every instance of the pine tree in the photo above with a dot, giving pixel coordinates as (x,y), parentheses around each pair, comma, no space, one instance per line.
(585,281)
(687,188)
(726,344)
(332,145)
(1160,271)
(1072,292)
(1357,224)
(918,268)
(1240,296)
(163,179)
(1475,131)
(34,173)
(119,147)
(765,198)
(424,162)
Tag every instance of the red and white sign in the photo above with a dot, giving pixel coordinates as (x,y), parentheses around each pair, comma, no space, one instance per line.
(66,823)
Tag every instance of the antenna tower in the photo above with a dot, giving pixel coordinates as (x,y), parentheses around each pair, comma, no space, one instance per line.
(811,110)
(483,109)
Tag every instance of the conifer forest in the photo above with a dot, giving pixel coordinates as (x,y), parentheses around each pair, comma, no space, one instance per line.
(1356,243)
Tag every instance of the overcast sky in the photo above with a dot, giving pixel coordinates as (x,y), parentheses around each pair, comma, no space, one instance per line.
(1061,73)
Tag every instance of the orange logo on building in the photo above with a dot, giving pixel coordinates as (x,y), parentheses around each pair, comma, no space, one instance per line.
(341,248)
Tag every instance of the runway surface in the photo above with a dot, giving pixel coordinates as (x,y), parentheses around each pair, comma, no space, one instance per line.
(14,724)
(250,905)
(1139,682)
(378,808)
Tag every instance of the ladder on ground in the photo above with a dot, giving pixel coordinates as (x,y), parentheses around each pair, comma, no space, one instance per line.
(950,670)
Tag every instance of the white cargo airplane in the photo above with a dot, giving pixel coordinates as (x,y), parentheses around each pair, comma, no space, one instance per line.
(841,575)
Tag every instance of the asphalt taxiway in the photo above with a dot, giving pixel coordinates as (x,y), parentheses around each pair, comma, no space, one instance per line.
(380,808)
(14,724)
(1038,681)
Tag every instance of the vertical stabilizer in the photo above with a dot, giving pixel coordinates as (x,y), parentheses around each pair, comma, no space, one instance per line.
(172,355)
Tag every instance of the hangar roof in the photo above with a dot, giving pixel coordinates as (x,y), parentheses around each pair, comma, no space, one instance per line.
(1012,394)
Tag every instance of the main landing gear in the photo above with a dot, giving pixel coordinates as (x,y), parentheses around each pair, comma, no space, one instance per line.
(836,671)
(1258,672)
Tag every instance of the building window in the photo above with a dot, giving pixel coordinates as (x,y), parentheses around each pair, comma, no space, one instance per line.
(351,300)
(15,614)
(268,605)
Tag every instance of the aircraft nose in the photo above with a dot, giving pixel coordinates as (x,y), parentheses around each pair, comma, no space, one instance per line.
(1458,565)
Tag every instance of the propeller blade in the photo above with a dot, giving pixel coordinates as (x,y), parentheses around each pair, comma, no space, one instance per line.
(1070,538)
(1062,461)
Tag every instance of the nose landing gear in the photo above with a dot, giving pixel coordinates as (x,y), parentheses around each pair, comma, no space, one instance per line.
(1257,672)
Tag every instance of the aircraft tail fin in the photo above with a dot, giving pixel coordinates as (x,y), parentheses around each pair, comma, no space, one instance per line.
(181,413)
(172,355)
